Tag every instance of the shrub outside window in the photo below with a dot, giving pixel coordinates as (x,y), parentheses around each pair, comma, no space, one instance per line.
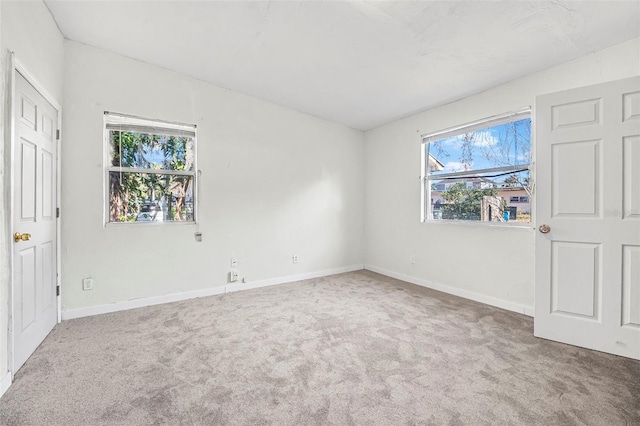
(479,171)
(150,170)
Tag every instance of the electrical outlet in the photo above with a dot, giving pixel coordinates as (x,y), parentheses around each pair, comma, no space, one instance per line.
(234,263)
(294,258)
(233,276)
(412,259)
(198,236)
(88,283)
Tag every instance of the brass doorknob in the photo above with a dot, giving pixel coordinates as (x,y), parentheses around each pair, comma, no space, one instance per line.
(17,237)
(545,229)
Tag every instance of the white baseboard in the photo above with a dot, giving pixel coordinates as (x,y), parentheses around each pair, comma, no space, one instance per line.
(488,300)
(5,383)
(139,303)
(175,297)
(291,278)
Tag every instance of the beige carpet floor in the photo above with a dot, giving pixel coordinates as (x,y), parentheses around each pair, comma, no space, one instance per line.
(349,349)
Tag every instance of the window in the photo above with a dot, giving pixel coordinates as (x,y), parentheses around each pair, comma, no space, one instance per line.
(519,199)
(150,170)
(474,171)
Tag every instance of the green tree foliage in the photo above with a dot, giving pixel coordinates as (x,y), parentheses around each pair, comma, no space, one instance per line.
(129,191)
(462,203)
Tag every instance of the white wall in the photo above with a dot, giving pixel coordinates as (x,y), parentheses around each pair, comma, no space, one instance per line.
(275,182)
(493,264)
(27,29)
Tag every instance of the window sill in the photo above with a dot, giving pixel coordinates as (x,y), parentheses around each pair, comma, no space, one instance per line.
(146,224)
(477,224)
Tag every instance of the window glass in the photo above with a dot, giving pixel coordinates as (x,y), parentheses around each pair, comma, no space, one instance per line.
(151,151)
(151,170)
(480,173)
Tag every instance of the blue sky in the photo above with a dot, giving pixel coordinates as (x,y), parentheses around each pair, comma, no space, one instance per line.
(497,146)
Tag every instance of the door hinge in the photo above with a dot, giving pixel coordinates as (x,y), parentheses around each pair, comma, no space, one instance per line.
(57,211)
(58,290)
(58,134)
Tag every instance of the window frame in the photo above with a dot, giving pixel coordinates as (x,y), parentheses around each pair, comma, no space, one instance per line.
(148,125)
(427,179)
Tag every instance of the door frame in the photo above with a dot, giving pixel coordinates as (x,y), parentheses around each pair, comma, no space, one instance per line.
(15,67)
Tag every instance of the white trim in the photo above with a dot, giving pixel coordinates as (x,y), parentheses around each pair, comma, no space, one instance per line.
(488,300)
(427,178)
(116,120)
(139,303)
(425,203)
(152,171)
(478,172)
(150,124)
(480,224)
(5,383)
(291,278)
(478,124)
(59,218)
(35,83)
(212,291)
(11,77)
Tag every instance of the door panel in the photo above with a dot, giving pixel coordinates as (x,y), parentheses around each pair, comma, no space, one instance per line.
(35,258)
(588,192)
(28,181)
(29,114)
(631,109)
(48,191)
(631,177)
(575,292)
(631,286)
(47,127)
(27,287)
(47,254)
(576,192)
(576,114)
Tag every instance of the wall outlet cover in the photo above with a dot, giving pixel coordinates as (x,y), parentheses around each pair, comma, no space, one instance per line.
(88,283)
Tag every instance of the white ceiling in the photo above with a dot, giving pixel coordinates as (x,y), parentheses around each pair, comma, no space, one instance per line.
(359,63)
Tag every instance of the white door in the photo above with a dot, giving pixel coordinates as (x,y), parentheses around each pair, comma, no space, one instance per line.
(588,194)
(34,220)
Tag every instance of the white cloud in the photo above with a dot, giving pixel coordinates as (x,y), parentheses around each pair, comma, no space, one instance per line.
(455,141)
(455,166)
(484,138)
(524,158)
(481,138)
